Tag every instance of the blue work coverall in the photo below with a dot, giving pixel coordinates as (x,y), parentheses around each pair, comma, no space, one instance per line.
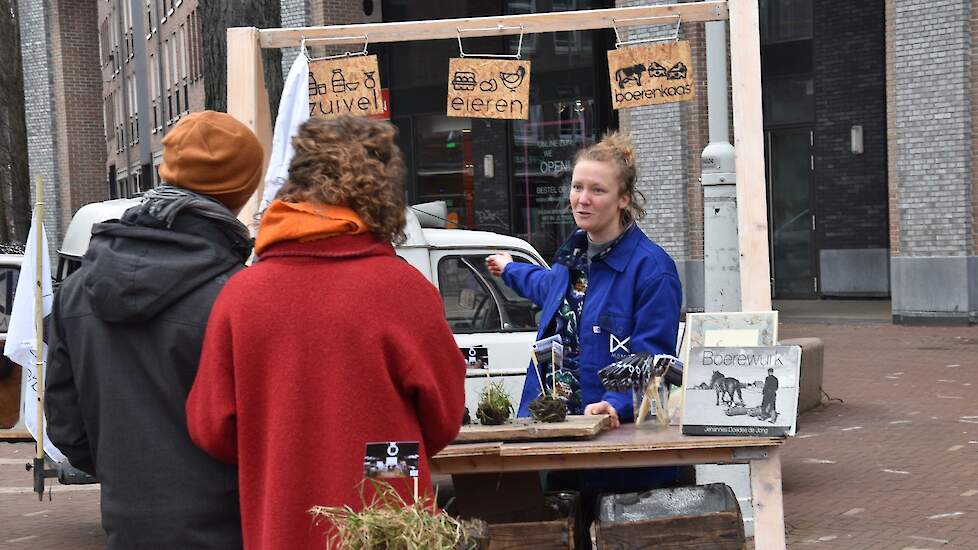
(632,305)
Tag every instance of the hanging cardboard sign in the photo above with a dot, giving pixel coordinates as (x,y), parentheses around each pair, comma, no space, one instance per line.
(650,75)
(345,86)
(489,88)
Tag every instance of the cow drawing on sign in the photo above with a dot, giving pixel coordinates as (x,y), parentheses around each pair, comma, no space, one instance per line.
(630,74)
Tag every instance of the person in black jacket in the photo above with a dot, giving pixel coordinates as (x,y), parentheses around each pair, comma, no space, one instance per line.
(127,329)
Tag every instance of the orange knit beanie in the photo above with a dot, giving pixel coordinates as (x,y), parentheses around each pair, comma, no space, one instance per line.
(213,154)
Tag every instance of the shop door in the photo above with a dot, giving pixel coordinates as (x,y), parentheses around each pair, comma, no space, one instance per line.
(791,218)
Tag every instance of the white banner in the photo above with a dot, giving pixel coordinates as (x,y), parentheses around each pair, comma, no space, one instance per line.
(293,110)
(20,345)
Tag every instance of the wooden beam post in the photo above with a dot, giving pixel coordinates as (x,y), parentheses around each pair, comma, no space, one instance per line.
(768,501)
(444,29)
(248,102)
(748,120)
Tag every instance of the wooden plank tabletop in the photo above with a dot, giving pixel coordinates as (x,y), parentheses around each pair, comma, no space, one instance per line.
(574,427)
(621,440)
(629,438)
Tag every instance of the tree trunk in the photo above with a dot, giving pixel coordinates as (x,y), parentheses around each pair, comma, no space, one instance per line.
(15,189)
(216,17)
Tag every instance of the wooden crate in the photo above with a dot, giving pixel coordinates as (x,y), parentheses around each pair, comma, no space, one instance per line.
(553,534)
(698,517)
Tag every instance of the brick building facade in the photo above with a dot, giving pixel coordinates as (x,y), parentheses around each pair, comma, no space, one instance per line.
(152,70)
(59,49)
(869,123)
(932,88)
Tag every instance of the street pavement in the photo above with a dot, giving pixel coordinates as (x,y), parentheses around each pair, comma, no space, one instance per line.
(890,462)
(887,463)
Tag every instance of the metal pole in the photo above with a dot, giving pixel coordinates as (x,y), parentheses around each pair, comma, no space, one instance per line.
(721,253)
(721,245)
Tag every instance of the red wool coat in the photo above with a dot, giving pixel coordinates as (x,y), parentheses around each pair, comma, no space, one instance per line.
(318,349)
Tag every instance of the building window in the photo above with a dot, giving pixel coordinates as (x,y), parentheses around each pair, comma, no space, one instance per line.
(785,20)
(114,42)
(133,114)
(150,20)
(104,51)
(174,82)
(120,123)
(198,44)
(184,68)
(108,113)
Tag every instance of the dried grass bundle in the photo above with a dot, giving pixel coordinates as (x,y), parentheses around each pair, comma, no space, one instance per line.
(390,523)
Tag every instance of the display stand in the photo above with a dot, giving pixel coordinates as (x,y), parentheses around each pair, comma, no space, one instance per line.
(248,98)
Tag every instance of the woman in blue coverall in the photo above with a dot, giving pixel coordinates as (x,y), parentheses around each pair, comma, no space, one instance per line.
(611,292)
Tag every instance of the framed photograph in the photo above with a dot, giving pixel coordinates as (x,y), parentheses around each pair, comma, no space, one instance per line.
(742,391)
(735,328)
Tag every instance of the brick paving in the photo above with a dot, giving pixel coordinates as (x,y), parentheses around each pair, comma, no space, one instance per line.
(889,467)
(892,465)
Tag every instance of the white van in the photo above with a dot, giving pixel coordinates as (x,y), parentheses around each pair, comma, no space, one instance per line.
(11,381)
(493,326)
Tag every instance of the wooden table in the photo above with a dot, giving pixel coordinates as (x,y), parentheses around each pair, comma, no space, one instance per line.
(627,447)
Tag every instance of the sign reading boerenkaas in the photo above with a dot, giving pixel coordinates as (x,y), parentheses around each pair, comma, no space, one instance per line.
(488,88)
(742,391)
(345,86)
(650,75)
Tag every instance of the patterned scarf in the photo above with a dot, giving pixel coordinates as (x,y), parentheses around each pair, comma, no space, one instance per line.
(573,254)
(163,203)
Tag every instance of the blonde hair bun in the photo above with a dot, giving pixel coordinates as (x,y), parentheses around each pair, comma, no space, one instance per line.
(621,144)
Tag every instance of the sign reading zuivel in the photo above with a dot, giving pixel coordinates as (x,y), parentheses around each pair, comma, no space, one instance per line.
(488,88)
(346,86)
(650,75)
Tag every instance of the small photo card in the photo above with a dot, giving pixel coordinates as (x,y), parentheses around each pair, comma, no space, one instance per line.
(391,459)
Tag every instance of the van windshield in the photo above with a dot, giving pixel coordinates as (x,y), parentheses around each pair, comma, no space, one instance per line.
(475,301)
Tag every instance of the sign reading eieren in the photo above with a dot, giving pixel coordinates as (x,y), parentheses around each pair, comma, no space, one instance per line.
(488,88)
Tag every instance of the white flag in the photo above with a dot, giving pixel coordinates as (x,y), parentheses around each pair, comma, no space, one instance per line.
(20,332)
(293,110)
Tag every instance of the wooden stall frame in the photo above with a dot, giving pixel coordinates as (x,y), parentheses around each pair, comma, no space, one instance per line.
(247,97)
(248,102)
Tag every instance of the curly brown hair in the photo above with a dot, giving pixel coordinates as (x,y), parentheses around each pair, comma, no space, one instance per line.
(352,162)
(617,149)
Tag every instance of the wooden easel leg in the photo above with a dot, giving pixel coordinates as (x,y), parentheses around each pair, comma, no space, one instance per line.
(765,485)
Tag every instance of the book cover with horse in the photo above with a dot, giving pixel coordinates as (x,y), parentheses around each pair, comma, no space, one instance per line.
(742,391)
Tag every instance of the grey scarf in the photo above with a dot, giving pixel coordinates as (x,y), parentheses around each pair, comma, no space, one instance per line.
(166,201)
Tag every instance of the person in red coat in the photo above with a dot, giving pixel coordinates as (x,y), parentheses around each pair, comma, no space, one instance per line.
(329,342)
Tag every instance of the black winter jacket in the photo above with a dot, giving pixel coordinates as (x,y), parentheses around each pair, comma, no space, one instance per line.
(127,329)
